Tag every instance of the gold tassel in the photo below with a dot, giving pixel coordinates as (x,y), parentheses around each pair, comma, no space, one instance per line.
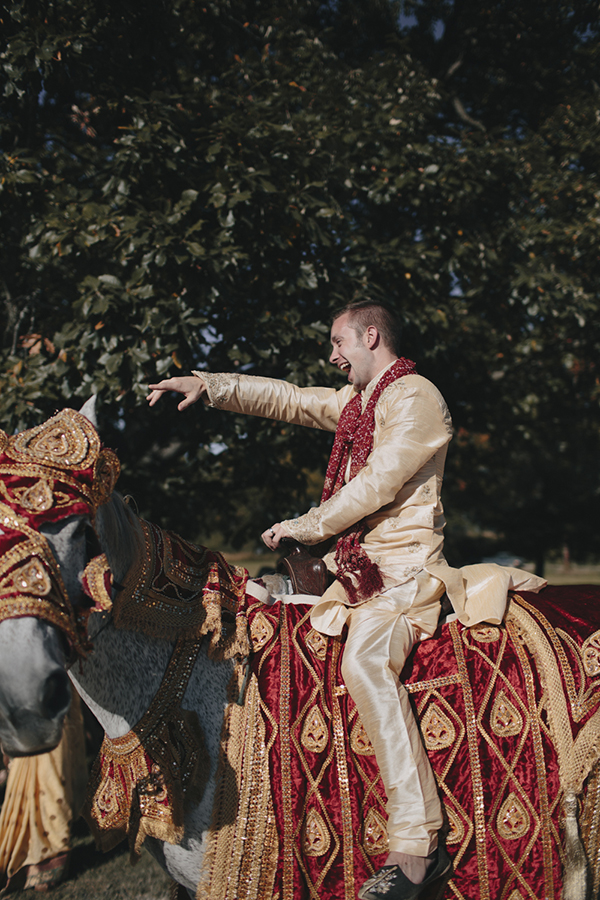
(576,868)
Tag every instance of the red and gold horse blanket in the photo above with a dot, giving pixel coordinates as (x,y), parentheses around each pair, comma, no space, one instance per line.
(509,716)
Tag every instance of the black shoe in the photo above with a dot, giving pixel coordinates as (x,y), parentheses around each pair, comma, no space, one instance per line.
(391,883)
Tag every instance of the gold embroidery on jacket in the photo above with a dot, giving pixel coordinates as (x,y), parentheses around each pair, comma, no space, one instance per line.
(261,631)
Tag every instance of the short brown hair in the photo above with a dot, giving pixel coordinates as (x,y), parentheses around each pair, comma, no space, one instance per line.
(370,312)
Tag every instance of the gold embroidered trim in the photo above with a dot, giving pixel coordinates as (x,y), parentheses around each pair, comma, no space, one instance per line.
(315,734)
(505,718)
(513,820)
(485,634)
(68,441)
(438,731)
(316,839)
(590,654)
(218,385)
(457,828)
(476,776)
(304,528)
(375,835)
(359,739)
(31,583)
(261,631)
(240,862)
(576,758)
(141,782)
(95,577)
(416,686)
(538,754)
(39,497)
(180,589)
(65,445)
(286,771)
(343,780)
(317,643)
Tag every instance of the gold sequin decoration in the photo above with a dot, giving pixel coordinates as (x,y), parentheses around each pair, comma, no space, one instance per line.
(94,575)
(39,497)
(457,828)
(106,473)
(590,654)
(261,631)
(32,578)
(315,836)
(485,634)
(3,441)
(437,729)
(317,643)
(359,740)
(68,440)
(315,735)
(513,820)
(505,718)
(516,895)
(375,836)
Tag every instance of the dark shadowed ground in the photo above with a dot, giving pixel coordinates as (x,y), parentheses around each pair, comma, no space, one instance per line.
(106,876)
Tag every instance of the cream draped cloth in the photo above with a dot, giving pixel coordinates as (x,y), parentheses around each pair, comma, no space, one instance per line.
(397,493)
(44,795)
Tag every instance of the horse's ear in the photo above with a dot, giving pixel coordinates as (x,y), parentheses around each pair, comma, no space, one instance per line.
(89,410)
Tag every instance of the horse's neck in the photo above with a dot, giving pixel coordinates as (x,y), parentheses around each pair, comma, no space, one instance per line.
(121,676)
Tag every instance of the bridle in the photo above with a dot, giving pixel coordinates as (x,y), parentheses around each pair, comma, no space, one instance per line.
(47,474)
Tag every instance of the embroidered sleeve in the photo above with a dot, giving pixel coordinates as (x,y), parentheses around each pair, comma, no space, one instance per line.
(305,529)
(219,386)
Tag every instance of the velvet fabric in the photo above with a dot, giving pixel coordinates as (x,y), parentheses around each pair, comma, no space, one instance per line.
(484,714)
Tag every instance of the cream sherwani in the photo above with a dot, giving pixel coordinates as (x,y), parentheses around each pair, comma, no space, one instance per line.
(397,492)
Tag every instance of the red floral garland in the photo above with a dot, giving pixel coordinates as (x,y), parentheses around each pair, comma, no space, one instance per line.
(359,575)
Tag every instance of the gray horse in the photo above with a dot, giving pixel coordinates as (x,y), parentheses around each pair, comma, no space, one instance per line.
(35,692)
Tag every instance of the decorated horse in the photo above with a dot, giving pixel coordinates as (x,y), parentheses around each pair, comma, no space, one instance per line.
(232,746)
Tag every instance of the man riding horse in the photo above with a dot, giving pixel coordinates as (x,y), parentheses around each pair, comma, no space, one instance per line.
(381,505)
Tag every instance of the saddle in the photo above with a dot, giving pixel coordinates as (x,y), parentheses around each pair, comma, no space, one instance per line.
(307,573)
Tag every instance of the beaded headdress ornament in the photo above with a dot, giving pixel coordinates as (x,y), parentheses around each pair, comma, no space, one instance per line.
(47,473)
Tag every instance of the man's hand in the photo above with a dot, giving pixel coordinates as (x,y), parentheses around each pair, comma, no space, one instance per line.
(191,385)
(273,535)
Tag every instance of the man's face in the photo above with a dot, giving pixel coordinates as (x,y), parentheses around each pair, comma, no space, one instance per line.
(350,353)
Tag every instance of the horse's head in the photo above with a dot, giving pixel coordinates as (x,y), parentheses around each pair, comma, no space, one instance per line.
(53,479)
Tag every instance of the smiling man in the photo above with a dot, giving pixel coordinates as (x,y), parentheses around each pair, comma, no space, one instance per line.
(382,511)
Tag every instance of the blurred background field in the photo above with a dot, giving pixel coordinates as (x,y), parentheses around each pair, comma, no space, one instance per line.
(555,572)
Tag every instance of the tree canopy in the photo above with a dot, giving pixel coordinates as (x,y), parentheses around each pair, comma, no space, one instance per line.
(198,184)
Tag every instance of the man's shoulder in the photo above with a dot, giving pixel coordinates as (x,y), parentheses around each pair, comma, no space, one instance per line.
(415,388)
(411,385)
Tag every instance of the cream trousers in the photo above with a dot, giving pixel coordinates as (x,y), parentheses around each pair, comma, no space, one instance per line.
(380,639)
